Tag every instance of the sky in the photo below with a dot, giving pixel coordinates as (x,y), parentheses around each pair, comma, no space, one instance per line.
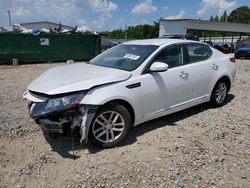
(107,15)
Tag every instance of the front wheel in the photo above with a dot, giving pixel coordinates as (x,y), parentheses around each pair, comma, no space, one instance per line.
(220,93)
(109,126)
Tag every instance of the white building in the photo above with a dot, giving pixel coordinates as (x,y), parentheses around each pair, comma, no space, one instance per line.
(46,25)
(2,29)
(181,26)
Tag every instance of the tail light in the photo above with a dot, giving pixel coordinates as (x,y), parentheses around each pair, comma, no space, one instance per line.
(232,60)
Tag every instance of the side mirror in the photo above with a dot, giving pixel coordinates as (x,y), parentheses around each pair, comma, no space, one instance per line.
(158,67)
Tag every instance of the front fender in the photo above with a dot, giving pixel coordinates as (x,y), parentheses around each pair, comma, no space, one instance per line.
(86,122)
(117,91)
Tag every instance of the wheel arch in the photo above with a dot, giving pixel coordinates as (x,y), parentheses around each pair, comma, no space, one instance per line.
(226,79)
(127,105)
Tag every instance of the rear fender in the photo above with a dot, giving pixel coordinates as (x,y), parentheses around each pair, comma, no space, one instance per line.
(217,79)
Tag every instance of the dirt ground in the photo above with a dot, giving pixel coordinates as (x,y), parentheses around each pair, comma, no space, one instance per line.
(198,147)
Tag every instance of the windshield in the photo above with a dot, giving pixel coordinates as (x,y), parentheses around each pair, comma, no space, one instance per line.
(125,56)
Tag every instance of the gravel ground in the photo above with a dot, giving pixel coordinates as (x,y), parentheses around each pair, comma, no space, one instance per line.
(198,147)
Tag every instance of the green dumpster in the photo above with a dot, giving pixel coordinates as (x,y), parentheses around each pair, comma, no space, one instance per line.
(48,47)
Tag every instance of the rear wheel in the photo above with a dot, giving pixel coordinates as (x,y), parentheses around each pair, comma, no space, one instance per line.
(109,126)
(220,93)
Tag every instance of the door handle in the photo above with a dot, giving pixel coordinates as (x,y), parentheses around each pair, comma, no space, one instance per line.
(215,67)
(183,74)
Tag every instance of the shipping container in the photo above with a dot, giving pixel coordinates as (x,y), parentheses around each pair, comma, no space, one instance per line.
(48,47)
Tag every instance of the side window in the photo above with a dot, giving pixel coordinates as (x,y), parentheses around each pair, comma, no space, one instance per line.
(172,55)
(198,52)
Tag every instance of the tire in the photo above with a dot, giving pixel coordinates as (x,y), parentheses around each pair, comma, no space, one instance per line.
(109,126)
(236,56)
(219,94)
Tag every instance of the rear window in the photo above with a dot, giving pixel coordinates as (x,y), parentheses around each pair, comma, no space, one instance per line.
(198,52)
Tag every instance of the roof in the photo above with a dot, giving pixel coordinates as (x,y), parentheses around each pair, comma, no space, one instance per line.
(205,21)
(157,41)
(2,29)
(44,22)
(210,25)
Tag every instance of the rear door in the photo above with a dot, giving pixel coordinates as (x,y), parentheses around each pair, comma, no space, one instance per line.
(201,69)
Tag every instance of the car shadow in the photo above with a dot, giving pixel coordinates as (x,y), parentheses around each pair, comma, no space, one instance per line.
(67,146)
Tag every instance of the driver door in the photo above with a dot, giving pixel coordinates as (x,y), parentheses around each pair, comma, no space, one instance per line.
(165,90)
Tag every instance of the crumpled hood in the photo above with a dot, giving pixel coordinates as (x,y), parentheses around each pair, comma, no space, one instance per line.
(75,77)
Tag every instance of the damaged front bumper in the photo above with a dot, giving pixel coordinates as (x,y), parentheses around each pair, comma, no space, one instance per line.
(52,126)
(63,120)
(68,121)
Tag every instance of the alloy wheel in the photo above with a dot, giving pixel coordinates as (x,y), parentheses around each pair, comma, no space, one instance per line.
(108,126)
(221,92)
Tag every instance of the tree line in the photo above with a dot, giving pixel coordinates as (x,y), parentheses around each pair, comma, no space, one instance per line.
(146,31)
(238,15)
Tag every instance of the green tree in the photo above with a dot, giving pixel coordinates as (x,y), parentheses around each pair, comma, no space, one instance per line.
(216,18)
(240,15)
(145,31)
(223,18)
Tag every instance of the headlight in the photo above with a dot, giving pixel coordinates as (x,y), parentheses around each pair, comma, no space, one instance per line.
(56,105)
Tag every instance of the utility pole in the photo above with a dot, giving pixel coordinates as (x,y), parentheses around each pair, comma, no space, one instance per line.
(126,28)
(8,13)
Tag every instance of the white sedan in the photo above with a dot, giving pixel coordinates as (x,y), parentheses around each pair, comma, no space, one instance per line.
(127,85)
